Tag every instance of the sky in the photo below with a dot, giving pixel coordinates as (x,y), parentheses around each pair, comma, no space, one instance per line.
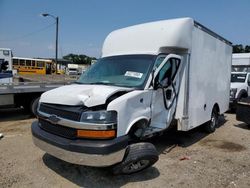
(84,24)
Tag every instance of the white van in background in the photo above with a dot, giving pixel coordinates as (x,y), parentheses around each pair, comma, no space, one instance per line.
(149,76)
(72,69)
(240,87)
(240,78)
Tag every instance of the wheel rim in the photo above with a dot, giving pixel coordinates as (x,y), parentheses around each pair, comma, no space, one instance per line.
(136,166)
(214,120)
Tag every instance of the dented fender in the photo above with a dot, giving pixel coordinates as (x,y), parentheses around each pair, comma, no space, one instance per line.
(131,108)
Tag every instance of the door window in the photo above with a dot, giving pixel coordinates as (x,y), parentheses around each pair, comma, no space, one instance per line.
(165,74)
(159,60)
(168,72)
(175,65)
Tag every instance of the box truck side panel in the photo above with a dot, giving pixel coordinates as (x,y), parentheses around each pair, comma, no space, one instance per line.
(209,73)
(241,59)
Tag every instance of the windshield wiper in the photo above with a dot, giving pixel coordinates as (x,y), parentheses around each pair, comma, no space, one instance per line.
(93,83)
(101,83)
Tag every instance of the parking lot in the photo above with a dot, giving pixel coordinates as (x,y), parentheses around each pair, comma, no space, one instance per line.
(187,159)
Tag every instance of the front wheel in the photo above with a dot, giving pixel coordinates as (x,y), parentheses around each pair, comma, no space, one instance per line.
(139,157)
(213,123)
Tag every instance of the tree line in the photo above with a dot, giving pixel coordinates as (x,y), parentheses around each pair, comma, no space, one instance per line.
(84,59)
(79,58)
(239,48)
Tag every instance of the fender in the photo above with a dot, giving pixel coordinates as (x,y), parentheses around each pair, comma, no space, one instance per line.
(241,94)
(131,107)
(136,121)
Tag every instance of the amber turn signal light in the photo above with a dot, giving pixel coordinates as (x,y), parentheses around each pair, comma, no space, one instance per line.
(96,134)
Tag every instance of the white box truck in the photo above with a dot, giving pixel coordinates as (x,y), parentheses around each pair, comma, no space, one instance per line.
(149,76)
(241,62)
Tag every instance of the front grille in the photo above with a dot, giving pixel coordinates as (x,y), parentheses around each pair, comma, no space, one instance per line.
(66,112)
(59,130)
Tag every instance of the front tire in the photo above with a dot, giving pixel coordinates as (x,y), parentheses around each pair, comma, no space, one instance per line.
(214,121)
(139,157)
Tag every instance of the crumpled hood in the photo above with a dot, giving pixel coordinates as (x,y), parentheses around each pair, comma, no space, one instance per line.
(88,95)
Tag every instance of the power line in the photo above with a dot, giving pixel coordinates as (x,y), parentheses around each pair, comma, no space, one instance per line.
(28,34)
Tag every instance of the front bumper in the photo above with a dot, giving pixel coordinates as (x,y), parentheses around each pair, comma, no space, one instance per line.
(80,151)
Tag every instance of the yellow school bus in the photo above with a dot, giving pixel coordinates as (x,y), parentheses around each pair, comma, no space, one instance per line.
(32,66)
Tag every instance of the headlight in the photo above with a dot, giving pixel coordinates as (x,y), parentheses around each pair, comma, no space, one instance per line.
(103,117)
(233,92)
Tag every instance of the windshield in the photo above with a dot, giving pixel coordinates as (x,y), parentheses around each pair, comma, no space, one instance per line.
(125,71)
(238,77)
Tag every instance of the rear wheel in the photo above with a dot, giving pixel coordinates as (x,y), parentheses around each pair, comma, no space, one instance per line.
(139,157)
(214,121)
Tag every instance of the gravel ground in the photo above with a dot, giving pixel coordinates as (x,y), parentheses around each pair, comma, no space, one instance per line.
(221,159)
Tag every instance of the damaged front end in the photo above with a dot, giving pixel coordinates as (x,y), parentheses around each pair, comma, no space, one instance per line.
(80,134)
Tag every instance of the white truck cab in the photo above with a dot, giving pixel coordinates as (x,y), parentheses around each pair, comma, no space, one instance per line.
(240,87)
(149,76)
(6,75)
(72,69)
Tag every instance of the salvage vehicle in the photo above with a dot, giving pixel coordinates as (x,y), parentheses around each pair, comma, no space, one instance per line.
(149,76)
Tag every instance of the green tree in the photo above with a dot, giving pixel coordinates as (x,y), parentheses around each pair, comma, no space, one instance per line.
(238,48)
(79,59)
(247,49)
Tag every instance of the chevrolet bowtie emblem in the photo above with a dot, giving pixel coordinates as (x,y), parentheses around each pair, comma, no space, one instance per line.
(53,119)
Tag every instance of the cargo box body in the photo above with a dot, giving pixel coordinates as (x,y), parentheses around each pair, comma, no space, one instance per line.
(206,59)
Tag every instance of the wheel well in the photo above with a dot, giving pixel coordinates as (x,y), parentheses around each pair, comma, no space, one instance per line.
(242,94)
(216,106)
(137,127)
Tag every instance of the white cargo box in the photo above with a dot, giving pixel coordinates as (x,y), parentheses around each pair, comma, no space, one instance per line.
(207,59)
